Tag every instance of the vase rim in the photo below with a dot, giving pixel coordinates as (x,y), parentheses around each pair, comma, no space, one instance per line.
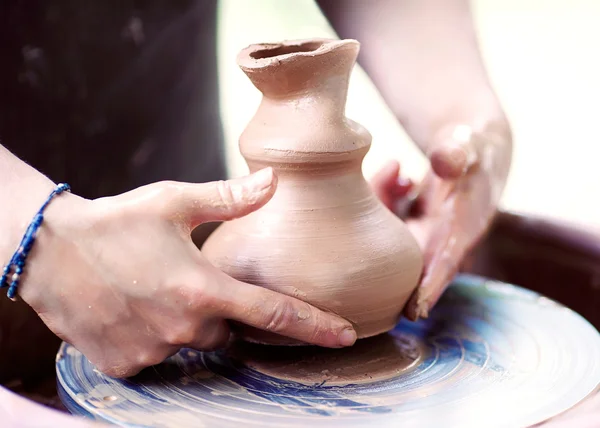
(261,55)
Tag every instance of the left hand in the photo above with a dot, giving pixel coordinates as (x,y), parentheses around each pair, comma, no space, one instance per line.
(454,206)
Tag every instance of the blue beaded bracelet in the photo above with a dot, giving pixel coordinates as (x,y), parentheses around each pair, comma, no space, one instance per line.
(14,268)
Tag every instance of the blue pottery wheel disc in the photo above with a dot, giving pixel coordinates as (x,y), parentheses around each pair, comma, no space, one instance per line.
(492,354)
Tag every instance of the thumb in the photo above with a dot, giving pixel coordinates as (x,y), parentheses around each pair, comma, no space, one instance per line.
(227,200)
(453,156)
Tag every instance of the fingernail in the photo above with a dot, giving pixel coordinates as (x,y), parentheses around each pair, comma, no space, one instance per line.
(261,180)
(450,161)
(466,152)
(347,337)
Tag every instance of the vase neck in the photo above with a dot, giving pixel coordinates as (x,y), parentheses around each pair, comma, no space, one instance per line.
(299,69)
(301,119)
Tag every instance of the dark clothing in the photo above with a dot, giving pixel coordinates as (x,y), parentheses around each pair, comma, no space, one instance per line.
(105,95)
(112,94)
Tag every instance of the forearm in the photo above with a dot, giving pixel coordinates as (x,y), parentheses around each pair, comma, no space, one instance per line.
(424,58)
(22,191)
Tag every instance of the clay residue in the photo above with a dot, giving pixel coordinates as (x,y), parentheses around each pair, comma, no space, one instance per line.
(369,360)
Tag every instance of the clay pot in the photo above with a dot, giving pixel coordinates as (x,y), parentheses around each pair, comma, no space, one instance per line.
(324,237)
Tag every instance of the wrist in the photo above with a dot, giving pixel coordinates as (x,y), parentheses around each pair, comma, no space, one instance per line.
(24,202)
(22,191)
(40,244)
(51,256)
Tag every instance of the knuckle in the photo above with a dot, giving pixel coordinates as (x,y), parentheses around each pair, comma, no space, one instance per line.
(181,335)
(201,294)
(167,186)
(119,371)
(197,299)
(146,359)
(103,368)
(219,341)
(165,189)
(281,317)
(167,194)
(320,325)
(226,194)
(212,340)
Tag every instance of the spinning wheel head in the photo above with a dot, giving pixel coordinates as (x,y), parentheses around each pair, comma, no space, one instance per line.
(490,354)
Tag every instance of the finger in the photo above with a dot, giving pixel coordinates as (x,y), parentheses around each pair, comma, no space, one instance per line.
(455,155)
(389,186)
(420,229)
(287,316)
(429,291)
(426,198)
(227,200)
(442,264)
(382,180)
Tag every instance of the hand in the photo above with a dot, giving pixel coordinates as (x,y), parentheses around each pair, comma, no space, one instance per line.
(454,207)
(121,280)
(432,86)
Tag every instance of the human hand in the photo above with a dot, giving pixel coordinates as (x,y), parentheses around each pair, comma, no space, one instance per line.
(453,207)
(121,280)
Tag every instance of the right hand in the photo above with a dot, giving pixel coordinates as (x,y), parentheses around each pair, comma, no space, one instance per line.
(120,279)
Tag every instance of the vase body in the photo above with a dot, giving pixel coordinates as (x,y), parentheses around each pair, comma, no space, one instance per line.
(324,237)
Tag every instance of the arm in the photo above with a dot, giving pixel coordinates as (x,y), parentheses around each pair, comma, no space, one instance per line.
(424,58)
(22,189)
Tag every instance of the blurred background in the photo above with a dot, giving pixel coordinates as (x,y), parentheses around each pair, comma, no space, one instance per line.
(542,57)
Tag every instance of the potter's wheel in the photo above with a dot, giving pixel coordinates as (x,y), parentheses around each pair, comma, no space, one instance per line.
(489,355)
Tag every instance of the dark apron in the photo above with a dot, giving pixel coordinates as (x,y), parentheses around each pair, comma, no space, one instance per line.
(105,95)
(108,95)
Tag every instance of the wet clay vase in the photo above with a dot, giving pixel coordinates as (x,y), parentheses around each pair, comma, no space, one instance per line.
(324,237)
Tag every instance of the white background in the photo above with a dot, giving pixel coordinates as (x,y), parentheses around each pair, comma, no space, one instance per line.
(542,55)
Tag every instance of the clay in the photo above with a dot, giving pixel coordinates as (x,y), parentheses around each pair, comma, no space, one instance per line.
(374,359)
(324,237)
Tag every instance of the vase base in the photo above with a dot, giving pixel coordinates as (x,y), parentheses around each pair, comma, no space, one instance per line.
(260,337)
(375,359)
